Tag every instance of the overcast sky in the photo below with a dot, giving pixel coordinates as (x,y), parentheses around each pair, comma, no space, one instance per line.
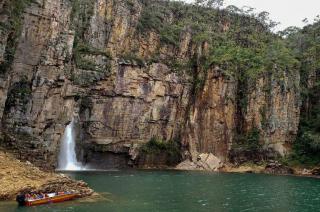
(288,12)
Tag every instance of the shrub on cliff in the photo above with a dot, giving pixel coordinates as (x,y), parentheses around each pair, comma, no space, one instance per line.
(14,10)
(18,96)
(156,145)
(247,148)
(305,43)
(238,41)
(157,148)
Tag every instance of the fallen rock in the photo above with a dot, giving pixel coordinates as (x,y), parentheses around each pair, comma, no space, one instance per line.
(187,165)
(205,161)
(209,162)
(306,172)
(275,167)
(315,171)
(245,168)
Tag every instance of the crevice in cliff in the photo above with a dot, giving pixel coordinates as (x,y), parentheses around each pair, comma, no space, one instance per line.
(12,28)
(16,106)
(138,69)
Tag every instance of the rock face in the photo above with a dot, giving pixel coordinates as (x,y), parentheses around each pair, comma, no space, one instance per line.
(35,104)
(138,104)
(211,121)
(65,66)
(274,108)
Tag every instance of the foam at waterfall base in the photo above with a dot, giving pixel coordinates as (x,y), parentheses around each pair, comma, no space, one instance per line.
(88,170)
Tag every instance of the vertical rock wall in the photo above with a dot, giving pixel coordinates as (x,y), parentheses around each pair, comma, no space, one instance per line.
(65,66)
(36,106)
(211,120)
(274,108)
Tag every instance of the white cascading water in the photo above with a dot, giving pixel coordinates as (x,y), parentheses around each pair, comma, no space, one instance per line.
(67,158)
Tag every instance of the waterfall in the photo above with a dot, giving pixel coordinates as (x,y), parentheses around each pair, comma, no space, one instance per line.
(67,157)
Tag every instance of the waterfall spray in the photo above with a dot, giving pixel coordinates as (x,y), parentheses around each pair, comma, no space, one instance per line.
(67,157)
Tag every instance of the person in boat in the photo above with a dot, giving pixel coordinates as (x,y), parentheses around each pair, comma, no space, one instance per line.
(27,196)
(32,199)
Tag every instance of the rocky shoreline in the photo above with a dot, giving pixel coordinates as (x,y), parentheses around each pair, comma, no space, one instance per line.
(255,169)
(20,177)
(245,169)
(294,171)
(208,162)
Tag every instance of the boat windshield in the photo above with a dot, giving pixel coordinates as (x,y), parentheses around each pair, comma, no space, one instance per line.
(51,195)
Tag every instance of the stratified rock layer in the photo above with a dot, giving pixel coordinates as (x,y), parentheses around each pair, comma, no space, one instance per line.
(120,102)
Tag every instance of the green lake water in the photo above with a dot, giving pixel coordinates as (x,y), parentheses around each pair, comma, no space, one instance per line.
(189,191)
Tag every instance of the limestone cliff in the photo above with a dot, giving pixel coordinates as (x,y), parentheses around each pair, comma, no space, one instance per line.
(91,60)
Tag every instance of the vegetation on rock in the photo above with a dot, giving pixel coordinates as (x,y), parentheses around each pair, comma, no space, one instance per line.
(14,10)
(242,44)
(247,148)
(19,95)
(306,45)
(170,149)
(239,42)
(84,55)
(195,39)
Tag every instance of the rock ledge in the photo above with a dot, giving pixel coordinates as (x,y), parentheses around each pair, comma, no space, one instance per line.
(20,177)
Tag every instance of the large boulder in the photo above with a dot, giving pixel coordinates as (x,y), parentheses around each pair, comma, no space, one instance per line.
(316,171)
(187,165)
(205,161)
(275,167)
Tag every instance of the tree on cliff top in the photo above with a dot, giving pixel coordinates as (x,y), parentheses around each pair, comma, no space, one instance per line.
(210,3)
(305,43)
